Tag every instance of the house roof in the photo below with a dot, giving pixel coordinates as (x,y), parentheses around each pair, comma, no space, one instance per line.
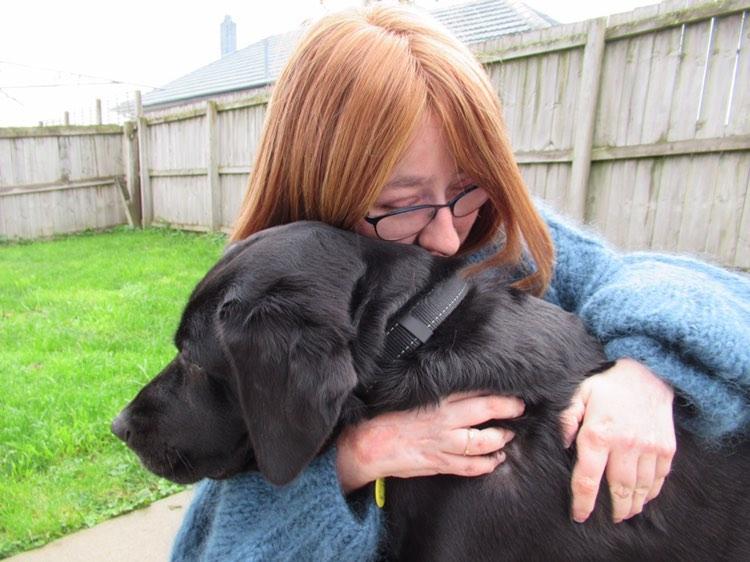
(254,66)
(484,19)
(259,64)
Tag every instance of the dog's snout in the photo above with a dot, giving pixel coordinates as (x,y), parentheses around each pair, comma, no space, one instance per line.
(121,427)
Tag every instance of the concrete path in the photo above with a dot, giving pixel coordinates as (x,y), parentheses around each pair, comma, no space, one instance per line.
(144,535)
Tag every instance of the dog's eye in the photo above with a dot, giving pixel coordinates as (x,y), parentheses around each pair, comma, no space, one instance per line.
(194,369)
(189,367)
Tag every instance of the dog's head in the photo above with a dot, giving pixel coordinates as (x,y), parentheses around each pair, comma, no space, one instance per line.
(264,354)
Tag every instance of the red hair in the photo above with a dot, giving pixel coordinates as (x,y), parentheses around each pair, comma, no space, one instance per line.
(343,111)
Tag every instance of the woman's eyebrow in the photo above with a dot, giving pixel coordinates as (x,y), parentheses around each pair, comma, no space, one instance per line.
(406,181)
(412,180)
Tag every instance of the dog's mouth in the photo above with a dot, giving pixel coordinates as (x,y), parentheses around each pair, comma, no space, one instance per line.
(181,468)
(241,459)
(171,464)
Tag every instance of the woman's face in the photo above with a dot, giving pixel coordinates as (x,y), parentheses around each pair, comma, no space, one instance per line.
(426,174)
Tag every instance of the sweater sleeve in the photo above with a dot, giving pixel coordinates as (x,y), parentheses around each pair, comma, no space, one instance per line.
(245,518)
(688,321)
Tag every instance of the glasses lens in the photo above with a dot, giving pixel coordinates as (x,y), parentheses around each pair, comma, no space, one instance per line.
(403,225)
(470,202)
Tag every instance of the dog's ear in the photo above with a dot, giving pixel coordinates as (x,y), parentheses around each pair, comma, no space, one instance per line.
(290,355)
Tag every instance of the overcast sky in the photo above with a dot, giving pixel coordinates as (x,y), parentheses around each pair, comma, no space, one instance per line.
(109,49)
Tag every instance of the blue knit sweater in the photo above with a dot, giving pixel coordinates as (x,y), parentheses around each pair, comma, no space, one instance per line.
(688,321)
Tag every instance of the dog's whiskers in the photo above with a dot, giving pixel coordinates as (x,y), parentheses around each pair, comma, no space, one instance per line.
(169,462)
(185,461)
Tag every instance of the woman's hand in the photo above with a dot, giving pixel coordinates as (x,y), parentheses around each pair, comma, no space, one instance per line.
(427,441)
(626,431)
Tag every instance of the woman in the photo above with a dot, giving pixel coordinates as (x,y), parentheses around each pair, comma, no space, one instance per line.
(379,111)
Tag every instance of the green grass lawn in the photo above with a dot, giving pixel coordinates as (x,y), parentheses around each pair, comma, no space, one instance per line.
(85,321)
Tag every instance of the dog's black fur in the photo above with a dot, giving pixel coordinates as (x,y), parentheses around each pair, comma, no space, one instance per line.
(279,346)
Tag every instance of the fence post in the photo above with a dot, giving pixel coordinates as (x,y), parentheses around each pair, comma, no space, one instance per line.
(742,251)
(98,111)
(130,145)
(147,195)
(588,98)
(212,166)
(63,154)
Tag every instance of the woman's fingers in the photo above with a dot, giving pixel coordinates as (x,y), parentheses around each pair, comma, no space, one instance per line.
(627,427)
(663,466)
(427,441)
(593,452)
(622,475)
(472,442)
(465,410)
(644,483)
(571,418)
(472,465)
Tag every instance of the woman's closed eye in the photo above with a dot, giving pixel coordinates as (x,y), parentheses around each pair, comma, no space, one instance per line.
(381,208)
(412,200)
(455,192)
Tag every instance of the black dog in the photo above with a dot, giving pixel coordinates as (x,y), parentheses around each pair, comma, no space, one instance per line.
(283,341)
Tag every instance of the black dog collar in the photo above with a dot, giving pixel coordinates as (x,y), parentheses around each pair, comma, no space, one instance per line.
(415,326)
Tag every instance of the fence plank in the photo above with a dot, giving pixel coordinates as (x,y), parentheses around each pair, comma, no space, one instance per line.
(639,220)
(688,83)
(742,254)
(58,130)
(54,186)
(672,192)
(663,64)
(699,195)
(212,164)
(739,115)
(668,14)
(147,194)
(127,203)
(132,173)
(588,98)
(610,94)
(739,143)
(181,201)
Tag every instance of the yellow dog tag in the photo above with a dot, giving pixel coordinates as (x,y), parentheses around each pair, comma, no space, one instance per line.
(380,492)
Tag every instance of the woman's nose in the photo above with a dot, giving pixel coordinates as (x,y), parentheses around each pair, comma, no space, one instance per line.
(440,235)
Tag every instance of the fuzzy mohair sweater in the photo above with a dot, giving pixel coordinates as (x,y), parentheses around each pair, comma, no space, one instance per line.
(688,321)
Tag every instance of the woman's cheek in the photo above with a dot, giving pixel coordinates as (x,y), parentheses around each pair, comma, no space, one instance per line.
(365,229)
(464,225)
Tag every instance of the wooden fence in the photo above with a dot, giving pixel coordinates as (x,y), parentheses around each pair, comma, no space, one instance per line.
(57,180)
(639,125)
(195,164)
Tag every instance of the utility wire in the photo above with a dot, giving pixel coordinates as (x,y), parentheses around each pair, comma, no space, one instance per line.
(62,85)
(107,80)
(7,95)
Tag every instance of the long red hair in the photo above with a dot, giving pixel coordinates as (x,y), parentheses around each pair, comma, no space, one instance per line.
(343,111)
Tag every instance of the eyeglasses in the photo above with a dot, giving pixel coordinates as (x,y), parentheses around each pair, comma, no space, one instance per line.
(408,221)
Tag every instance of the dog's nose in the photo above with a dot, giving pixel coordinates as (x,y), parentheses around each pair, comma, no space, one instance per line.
(121,428)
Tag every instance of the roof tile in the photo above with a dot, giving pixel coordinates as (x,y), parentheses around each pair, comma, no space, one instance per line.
(260,63)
